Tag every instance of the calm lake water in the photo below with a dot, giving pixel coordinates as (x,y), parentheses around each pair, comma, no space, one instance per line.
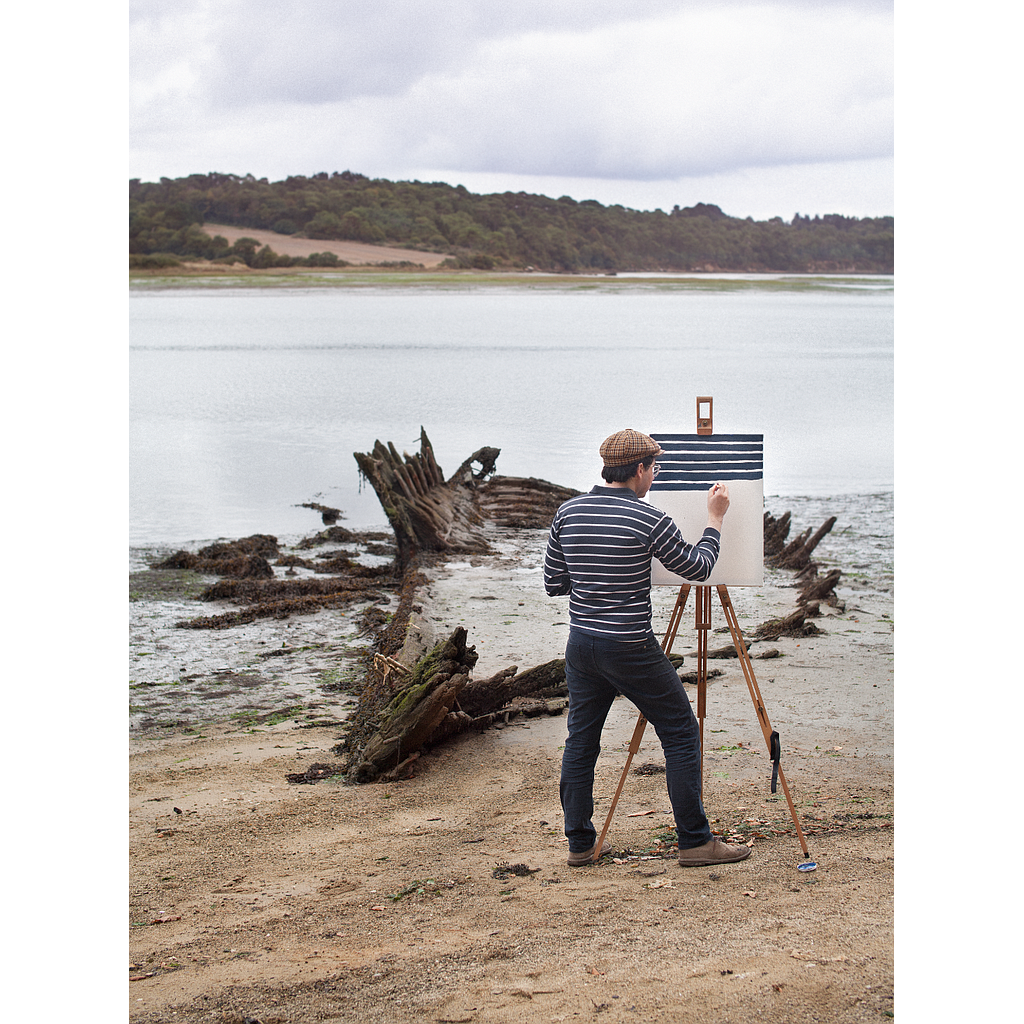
(246,403)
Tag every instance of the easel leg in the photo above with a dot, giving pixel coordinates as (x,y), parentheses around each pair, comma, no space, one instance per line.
(755,696)
(641,724)
(702,623)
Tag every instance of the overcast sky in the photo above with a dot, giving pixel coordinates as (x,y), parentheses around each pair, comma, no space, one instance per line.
(766,108)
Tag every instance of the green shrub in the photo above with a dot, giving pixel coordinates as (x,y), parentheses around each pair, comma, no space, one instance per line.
(152,261)
(246,248)
(264,259)
(324,259)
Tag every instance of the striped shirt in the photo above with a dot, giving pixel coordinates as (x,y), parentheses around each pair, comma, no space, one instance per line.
(599,553)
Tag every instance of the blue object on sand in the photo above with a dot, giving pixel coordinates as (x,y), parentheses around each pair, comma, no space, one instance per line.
(809,865)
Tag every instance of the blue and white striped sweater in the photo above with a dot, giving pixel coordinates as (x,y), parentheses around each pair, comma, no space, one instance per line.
(599,553)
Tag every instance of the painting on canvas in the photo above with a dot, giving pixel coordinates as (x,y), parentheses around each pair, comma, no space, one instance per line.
(692,463)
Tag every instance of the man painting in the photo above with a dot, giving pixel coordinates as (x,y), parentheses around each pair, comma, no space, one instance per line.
(599,553)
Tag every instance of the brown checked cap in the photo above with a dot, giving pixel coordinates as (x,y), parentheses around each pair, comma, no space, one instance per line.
(628,446)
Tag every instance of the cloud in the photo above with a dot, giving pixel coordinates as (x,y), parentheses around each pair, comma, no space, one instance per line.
(653,100)
(315,51)
(650,91)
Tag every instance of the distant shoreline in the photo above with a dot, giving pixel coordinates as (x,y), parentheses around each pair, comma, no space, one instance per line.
(191,275)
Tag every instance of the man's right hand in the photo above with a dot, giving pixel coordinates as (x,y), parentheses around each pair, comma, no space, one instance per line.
(718,505)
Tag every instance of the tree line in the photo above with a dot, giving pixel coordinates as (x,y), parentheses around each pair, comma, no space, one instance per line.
(506,230)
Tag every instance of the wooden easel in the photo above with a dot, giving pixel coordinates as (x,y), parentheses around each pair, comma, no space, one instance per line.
(702,624)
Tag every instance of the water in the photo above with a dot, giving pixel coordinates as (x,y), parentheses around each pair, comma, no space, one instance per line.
(246,403)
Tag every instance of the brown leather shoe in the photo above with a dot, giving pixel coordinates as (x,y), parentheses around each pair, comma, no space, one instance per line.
(713,852)
(578,860)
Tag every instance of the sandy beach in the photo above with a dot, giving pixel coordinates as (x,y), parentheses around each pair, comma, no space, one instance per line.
(446,896)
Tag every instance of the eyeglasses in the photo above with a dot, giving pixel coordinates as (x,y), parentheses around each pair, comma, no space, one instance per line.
(656,468)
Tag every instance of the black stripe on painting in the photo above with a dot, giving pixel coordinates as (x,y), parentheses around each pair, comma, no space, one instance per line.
(706,465)
(699,481)
(662,439)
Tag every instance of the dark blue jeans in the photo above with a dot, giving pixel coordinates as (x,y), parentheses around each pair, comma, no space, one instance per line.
(596,671)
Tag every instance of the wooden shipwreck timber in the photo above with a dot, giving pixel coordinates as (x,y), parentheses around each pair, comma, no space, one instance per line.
(403,708)
(431,514)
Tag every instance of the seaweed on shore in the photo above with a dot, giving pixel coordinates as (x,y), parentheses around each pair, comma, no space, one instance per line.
(336,562)
(247,578)
(279,599)
(241,559)
(280,609)
(339,535)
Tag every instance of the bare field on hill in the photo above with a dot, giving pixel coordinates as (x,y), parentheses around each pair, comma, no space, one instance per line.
(359,253)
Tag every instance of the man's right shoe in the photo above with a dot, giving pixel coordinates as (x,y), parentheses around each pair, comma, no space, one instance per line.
(713,852)
(578,860)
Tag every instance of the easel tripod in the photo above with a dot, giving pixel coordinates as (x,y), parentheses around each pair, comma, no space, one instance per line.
(703,626)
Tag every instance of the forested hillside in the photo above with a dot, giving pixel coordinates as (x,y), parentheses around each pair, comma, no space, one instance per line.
(510,230)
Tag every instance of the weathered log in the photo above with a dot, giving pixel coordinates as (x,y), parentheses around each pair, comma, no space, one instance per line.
(480,696)
(820,588)
(794,624)
(424,697)
(484,696)
(402,711)
(525,706)
(431,514)
(775,533)
(547,680)
(800,557)
(426,513)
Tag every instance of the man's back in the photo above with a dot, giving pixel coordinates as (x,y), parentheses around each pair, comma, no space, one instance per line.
(599,552)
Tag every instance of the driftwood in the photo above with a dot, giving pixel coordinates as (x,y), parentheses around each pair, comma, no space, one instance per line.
(328,515)
(398,711)
(794,624)
(431,514)
(797,554)
(402,711)
(426,512)
(485,696)
(820,588)
(775,533)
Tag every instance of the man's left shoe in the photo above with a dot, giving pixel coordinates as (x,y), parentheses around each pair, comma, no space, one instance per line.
(578,860)
(712,852)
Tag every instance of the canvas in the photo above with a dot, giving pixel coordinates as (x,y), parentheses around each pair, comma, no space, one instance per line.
(687,470)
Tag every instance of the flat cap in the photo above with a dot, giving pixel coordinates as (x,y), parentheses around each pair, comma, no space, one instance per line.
(628,446)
